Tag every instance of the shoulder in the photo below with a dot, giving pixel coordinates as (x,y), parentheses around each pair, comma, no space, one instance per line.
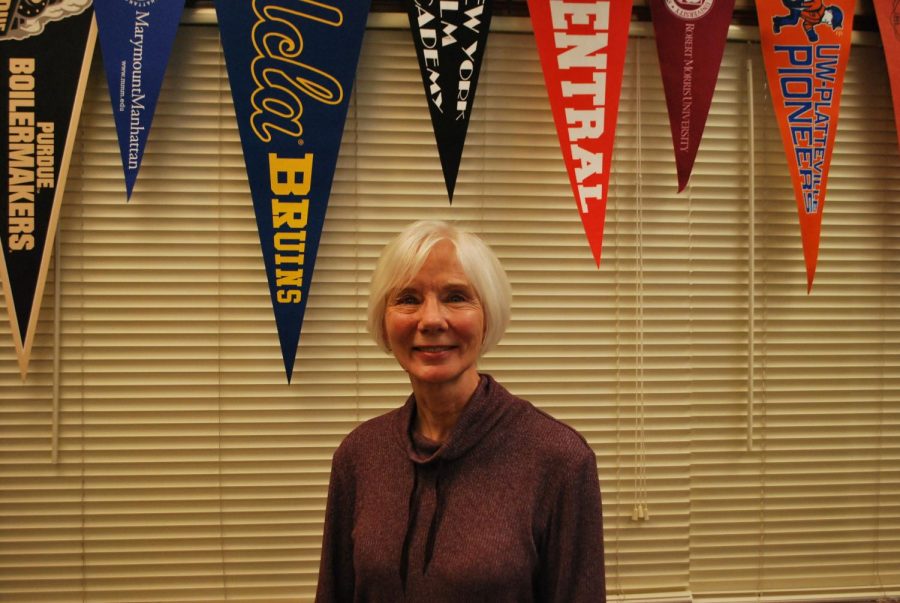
(372,437)
(556,441)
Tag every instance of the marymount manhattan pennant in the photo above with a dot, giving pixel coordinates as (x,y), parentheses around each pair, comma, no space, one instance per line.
(806,45)
(450,37)
(136,38)
(45,57)
(582,46)
(291,65)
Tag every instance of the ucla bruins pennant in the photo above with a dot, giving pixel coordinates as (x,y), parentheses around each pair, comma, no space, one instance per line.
(450,37)
(806,46)
(136,38)
(291,65)
(45,55)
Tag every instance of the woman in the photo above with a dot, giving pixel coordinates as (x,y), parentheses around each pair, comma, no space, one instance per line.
(465,493)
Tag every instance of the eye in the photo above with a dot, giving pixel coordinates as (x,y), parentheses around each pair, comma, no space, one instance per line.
(457,297)
(405,298)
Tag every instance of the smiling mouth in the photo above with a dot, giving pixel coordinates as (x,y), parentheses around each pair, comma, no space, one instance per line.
(433,348)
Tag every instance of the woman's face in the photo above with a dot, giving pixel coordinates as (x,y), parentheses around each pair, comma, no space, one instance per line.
(435,324)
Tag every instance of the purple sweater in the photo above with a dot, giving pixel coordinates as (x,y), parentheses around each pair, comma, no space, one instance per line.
(507,509)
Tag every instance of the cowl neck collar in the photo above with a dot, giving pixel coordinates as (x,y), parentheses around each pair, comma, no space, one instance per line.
(488,405)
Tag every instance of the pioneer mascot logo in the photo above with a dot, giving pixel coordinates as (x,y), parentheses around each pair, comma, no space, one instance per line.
(809,14)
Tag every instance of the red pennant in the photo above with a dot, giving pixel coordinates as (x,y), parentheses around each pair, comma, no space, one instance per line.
(806,45)
(582,47)
(888,13)
(690,42)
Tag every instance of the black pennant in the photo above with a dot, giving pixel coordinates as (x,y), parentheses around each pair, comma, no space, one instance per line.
(450,37)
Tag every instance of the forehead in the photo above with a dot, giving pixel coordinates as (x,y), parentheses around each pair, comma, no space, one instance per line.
(441,268)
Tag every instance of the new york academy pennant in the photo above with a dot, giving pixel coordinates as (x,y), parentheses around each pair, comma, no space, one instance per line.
(806,45)
(45,57)
(450,37)
(136,38)
(582,45)
(690,42)
(888,14)
(291,65)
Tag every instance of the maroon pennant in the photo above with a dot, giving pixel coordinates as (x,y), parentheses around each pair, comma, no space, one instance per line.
(690,42)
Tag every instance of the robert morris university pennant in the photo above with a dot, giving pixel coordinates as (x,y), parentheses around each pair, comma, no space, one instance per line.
(690,41)
(291,65)
(136,38)
(45,57)
(582,46)
(806,45)
(450,37)
(888,13)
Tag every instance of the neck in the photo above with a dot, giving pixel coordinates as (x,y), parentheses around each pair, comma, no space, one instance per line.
(438,408)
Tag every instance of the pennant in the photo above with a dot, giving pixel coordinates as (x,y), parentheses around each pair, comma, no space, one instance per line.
(806,45)
(582,47)
(291,65)
(690,42)
(888,14)
(136,38)
(46,56)
(450,37)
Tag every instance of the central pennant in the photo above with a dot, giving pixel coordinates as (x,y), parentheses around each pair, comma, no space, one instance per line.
(806,46)
(582,47)
(450,37)
(291,65)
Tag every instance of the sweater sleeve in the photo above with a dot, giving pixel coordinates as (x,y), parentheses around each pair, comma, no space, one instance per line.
(336,575)
(572,569)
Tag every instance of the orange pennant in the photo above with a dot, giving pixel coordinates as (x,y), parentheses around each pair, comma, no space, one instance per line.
(888,13)
(806,45)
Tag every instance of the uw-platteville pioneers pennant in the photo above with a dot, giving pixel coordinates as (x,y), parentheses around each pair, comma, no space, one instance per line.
(582,46)
(450,37)
(806,45)
(888,14)
(690,42)
(291,65)
(136,38)
(45,56)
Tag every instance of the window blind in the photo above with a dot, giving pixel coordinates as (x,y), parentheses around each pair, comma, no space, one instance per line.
(757,426)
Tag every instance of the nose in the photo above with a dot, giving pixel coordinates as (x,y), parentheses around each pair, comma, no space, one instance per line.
(431,315)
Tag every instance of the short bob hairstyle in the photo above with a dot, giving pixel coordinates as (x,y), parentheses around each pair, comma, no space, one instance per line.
(403,257)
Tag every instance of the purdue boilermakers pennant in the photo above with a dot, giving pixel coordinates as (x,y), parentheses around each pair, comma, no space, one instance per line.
(582,46)
(806,46)
(450,37)
(45,56)
(136,38)
(291,65)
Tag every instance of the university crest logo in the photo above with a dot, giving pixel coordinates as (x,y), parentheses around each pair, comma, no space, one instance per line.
(689,9)
(20,19)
